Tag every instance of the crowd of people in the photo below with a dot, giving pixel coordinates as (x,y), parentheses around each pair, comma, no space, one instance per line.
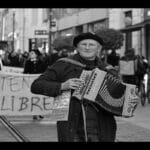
(139,69)
(22,59)
(32,62)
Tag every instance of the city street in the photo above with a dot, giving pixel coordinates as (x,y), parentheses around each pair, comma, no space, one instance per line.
(32,41)
(132,129)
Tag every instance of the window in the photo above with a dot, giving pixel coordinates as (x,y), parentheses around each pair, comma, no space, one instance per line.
(147,14)
(128,18)
(79,29)
(102,24)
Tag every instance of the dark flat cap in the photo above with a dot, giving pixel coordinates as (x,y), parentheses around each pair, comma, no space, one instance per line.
(85,36)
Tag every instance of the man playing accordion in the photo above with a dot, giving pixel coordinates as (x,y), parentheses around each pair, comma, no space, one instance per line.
(87,121)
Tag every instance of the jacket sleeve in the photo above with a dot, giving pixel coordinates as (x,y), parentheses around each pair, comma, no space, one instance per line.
(49,82)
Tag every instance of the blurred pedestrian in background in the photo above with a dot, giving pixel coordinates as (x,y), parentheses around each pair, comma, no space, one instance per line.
(14,59)
(51,59)
(34,65)
(138,69)
(113,58)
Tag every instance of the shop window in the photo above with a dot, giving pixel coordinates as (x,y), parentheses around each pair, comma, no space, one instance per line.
(147,14)
(128,18)
(79,29)
(100,25)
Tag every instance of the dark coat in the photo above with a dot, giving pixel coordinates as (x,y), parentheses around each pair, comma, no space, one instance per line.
(113,59)
(14,60)
(34,67)
(101,122)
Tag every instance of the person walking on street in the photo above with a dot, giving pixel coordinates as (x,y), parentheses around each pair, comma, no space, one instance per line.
(113,58)
(100,124)
(33,65)
(138,70)
(14,59)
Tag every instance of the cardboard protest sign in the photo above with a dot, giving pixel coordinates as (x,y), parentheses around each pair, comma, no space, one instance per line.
(17,100)
(127,67)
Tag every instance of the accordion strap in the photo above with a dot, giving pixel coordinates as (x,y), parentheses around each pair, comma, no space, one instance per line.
(72,62)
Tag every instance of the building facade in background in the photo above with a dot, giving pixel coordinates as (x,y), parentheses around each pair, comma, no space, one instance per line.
(133,22)
(76,21)
(123,19)
(32,26)
(23,24)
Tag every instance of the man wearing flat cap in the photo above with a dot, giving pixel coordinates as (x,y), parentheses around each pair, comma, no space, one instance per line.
(100,125)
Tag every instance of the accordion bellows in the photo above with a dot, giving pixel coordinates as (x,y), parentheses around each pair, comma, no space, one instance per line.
(107,91)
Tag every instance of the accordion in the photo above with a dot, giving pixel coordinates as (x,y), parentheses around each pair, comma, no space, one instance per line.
(107,91)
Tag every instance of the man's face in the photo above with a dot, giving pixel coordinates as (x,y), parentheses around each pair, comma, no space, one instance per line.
(88,49)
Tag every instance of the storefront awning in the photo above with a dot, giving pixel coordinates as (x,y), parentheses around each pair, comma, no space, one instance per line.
(135,27)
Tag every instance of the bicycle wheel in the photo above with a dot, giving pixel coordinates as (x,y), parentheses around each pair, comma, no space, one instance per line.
(148,92)
(142,94)
(148,97)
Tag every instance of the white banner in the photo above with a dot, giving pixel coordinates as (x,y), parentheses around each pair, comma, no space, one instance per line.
(17,100)
(9,69)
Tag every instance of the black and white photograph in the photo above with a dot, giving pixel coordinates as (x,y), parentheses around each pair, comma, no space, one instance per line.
(75,75)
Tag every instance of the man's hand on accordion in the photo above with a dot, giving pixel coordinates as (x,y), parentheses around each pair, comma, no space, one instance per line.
(113,70)
(73,83)
(134,101)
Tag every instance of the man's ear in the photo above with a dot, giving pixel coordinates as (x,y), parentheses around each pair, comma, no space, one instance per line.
(99,50)
(98,53)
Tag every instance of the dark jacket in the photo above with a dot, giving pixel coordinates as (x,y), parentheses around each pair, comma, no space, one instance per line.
(101,122)
(113,59)
(14,60)
(34,67)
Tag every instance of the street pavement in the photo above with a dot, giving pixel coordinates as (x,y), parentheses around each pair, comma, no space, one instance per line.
(134,129)
(34,131)
(137,128)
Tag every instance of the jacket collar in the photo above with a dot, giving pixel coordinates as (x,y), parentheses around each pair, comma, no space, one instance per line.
(90,64)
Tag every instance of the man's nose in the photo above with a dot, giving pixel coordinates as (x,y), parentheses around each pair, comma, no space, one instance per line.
(87,46)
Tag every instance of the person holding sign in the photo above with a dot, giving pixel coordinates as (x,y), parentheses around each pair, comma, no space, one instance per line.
(91,124)
(34,65)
